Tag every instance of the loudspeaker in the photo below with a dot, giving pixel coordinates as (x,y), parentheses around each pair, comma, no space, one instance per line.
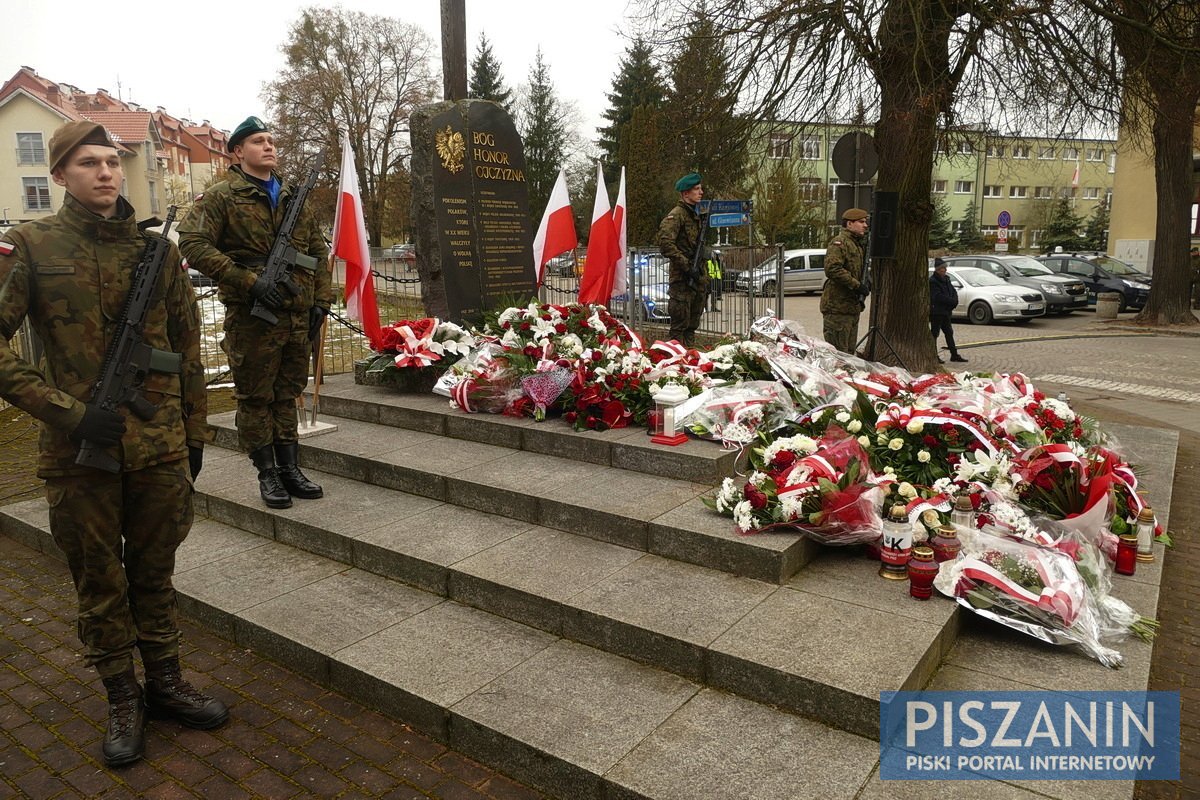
(850,196)
(883,224)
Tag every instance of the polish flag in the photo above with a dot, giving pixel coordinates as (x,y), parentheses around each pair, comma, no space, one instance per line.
(603,250)
(556,234)
(350,244)
(619,215)
(1075,177)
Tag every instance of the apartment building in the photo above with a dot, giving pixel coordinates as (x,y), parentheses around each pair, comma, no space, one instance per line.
(1021,175)
(165,160)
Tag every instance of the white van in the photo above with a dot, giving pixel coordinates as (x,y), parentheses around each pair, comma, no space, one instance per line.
(803,272)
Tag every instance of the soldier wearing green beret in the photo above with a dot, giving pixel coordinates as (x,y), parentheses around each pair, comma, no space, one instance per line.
(844,296)
(227,235)
(69,274)
(679,238)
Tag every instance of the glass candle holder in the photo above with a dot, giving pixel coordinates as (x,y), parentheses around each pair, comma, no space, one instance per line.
(1127,550)
(945,543)
(1145,534)
(922,569)
(895,547)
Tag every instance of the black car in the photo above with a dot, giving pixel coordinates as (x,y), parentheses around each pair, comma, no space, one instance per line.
(1064,293)
(1103,274)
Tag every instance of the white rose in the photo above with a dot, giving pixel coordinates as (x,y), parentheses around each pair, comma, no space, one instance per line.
(923,456)
(895,444)
(906,489)
(854,426)
(882,439)
(915,426)
(843,417)
(864,441)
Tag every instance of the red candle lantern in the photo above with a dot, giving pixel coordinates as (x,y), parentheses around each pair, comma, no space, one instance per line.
(1127,551)
(922,569)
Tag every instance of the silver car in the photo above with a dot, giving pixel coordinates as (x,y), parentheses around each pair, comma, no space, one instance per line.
(803,272)
(984,298)
(1063,293)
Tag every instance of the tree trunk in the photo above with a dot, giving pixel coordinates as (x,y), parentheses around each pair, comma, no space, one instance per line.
(1170,295)
(915,86)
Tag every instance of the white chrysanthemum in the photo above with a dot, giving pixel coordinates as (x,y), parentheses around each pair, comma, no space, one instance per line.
(595,323)
(854,426)
(727,495)
(743,515)
(915,426)
(511,339)
(895,444)
(923,456)
(942,485)
(791,507)
(1060,409)
(570,345)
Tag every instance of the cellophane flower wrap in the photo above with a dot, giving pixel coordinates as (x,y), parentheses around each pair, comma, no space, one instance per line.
(1032,589)
(736,415)
(419,344)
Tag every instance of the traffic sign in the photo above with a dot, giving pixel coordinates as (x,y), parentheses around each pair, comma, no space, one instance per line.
(726,207)
(727,220)
(1002,235)
(854,158)
(1004,220)
(1002,248)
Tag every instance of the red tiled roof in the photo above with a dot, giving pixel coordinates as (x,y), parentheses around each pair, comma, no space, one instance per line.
(126,127)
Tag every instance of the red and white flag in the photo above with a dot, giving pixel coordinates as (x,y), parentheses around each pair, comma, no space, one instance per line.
(603,250)
(350,244)
(1075,177)
(619,222)
(556,234)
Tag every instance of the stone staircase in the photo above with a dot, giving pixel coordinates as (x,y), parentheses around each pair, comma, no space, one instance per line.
(562,606)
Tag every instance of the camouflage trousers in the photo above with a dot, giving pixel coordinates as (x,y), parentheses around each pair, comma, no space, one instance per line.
(685,305)
(119,534)
(270,370)
(841,331)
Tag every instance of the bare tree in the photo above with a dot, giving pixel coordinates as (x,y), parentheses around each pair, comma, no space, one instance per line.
(364,74)
(919,65)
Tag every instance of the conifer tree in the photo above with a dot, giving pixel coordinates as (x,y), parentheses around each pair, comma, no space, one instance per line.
(939,226)
(637,84)
(649,185)
(1095,236)
(487,83)
(969,238)
(543,129)
(1062,228)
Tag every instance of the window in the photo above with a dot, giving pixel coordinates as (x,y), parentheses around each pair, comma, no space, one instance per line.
(964,187)
(1112,163)
(1067,192)
(151,161)
(992,190)
(37,193)
(1108,198)
(1095,154)
(780,146)
(965,148)
(995,151)
(30,149)
(1043,192)
(1045,152)
(1070,154)
(1035,236)
(1091,193)
(153,197)
(939,187)
(1018,191)
(812,189)
(810,148)
(1020,151)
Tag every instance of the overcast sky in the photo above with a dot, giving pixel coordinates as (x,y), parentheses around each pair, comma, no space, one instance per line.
(166,54)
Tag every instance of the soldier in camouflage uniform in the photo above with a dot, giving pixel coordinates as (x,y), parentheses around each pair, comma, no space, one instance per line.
(679,239)
(69,274)
(227,235)
(844,295)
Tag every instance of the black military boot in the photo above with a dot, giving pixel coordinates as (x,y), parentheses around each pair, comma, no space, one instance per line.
(293,479)
(169,695)
(269,484)
(125,740)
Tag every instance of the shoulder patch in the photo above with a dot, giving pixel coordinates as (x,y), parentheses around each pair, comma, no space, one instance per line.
(6,249)
(837,241)
(199,197)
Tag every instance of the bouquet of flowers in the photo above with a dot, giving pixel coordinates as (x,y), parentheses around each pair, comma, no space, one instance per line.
(1032,589)
(735,415)
(418,345)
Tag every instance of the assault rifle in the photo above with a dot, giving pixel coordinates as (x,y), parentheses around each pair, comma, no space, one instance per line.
(693,277)
(283,256)
(129,358)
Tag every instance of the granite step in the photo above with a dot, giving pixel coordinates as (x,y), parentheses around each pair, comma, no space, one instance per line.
(661,515)
(626,448)
(706,625)
(571,720)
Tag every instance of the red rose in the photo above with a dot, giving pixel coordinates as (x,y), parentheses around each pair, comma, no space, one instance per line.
(525,326)
(560,328)
(597,356)
(783,459)
(570,417)
(758,500)
(929,441)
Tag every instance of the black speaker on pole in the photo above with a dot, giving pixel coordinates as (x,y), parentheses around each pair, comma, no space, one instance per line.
(883,224)
(849,196)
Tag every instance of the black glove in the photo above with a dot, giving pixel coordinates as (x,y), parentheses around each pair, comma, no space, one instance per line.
(863,290)
(100,427)
(195,460)
(266,292)
(316,318)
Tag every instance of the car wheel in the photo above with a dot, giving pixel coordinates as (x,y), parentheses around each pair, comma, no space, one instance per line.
(1123,307)
(768,288)
(980,313)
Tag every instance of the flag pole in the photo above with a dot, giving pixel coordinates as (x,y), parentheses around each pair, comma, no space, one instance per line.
(318,353)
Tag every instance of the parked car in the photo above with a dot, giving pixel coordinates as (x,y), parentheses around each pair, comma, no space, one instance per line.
(406,254)
(984,297)
(1064,293)
(649,280)
(561,266)
(1102,274)
(803,272)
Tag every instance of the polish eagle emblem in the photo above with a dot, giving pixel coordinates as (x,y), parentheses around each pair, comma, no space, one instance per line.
(451,148)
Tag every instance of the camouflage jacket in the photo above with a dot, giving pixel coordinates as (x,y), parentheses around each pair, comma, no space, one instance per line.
(843,274)
(229,232)
(678,238)
(70,274)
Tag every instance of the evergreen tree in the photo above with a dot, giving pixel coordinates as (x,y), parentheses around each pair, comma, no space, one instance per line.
(969,238)
(939,227)
(643,152)
(1095,237)
(1062,229)
(708,136)
(637,84)
(486,81)
(543,129)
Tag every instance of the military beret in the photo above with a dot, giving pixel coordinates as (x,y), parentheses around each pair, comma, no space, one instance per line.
(854,214)
(689,181)
(72,135)
(250,125)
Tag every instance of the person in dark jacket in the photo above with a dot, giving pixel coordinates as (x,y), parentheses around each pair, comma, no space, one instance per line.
(942,300)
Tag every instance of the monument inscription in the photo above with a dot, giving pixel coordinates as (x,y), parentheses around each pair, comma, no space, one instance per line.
(470,208)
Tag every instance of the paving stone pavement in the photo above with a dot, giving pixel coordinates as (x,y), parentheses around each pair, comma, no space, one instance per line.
(287,737)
